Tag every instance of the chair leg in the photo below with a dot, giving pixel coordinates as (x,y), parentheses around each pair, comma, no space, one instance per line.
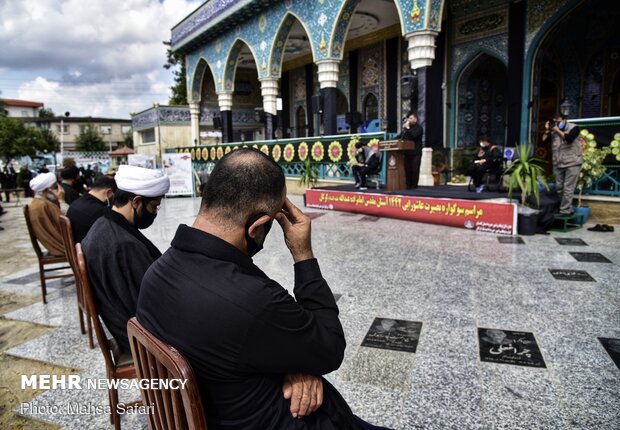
(82,328)
(43,286)
(114,417)
(90,332)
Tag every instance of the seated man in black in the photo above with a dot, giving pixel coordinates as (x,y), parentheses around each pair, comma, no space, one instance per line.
(70,183)
(361,153)
(87,209)
(371,166)
(252,346)
(488,159)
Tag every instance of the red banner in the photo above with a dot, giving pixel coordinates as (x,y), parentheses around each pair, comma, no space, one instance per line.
(471,214)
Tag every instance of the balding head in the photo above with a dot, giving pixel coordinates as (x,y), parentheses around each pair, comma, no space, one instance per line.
(244,183)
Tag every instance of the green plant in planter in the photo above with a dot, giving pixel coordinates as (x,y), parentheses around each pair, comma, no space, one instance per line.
(525,173)
(309,175)
(592,168)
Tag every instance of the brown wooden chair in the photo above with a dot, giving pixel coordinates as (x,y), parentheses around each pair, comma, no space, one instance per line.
(155,359)
(67,238)
(118,365)
(45,259)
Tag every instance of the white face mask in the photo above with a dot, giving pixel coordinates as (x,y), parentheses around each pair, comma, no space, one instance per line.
(482,145)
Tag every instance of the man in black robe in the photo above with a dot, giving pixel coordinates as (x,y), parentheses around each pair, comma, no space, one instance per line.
(87,209)
(117,254)
(253,347)
(412,131)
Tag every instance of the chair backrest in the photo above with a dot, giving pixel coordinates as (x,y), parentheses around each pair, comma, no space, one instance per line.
(33,238)
(67,238)
(104,344)
(154,359)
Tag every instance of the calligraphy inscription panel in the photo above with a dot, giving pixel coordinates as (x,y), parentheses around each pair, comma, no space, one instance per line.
(612,346)
(396,335)
(571,275)
(570,241)
(590,257)
(509,347)
(511,239)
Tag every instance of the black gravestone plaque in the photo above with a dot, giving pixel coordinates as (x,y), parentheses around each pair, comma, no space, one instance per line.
(612,346)
(369,218)
(570,241)
(510,239)
(571,275)
(397,335)
(509,347)
(337,297)
(314,215)
(590,257)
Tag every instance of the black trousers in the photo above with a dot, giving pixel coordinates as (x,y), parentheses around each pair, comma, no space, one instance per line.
(477,172)
(412,169)
(356,173)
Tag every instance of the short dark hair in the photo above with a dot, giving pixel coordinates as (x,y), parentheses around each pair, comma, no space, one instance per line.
(412,113)
(70,172)
(485,138)
(243,183)
(105,182)
(560,115)
(121,198)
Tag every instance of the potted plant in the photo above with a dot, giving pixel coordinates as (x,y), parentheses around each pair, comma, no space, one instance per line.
(592,170)
(439,165)
(525,173)
(309,174)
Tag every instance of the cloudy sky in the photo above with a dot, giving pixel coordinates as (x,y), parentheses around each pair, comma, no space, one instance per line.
(89,57)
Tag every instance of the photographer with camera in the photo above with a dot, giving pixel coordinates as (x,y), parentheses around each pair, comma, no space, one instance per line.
(567,158)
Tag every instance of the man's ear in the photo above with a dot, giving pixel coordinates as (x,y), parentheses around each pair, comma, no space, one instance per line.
(135,202)
(259,222)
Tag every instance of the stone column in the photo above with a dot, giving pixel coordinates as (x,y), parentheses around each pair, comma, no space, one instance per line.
(194,114)
(421,48)
(328,80)
(225,101)
(269,91)
(426,167)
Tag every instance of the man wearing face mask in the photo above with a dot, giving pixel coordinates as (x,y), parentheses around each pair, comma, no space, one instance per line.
(87,209)
(257,352)
(567,157)
(117,253)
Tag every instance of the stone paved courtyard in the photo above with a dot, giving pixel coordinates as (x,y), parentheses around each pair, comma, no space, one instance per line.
(432,288)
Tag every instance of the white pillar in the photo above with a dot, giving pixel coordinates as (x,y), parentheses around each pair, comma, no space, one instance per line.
(269,91)
(224,100)
(426,167)
(421,48)
(194,114)
(328,73)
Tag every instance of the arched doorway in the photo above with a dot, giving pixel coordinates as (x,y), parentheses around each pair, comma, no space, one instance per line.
(301,126)
(482,107)
(342,107)
(209,109)
(370,110)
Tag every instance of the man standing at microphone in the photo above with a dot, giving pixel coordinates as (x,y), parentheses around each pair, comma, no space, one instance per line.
(412,131)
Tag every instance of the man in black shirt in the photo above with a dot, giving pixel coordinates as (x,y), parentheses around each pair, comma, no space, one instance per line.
(412,131)
(70,177)
(252,346)
(87,209)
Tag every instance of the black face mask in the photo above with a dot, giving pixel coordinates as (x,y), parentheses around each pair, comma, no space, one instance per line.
(145,220)
(253,247)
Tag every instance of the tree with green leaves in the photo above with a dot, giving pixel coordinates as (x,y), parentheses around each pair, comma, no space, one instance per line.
(46,113)
(128,139)
(89,139)
(176,62)
(49,140)
(16,139)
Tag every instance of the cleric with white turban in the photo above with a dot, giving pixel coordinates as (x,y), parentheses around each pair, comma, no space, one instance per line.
(141,181)
(117,252)
(42,182)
